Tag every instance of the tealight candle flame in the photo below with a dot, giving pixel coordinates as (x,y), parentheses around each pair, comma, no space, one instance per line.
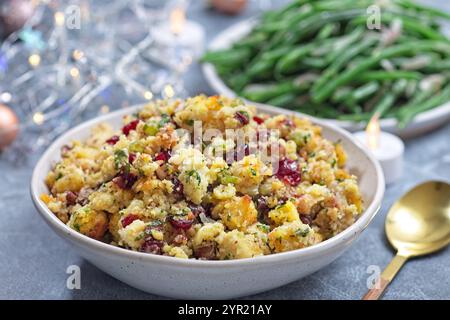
(177,20)
(373,132)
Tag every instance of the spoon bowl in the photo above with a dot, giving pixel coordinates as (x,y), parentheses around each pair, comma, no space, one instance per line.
(419,222)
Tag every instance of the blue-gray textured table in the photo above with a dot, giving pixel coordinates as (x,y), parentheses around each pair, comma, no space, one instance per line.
(33,260)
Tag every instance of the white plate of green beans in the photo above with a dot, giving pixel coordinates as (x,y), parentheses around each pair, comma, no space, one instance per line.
(320,59)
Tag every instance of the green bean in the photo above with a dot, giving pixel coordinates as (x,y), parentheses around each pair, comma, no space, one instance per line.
(365,91)
(348,75)
(265,92)
(346,54)
(388,75)
(422,9)
(314,63)
(438,65)
(408,114)
(237,81)
(315,22)
(227,57)
(327,30)
(290,62)
(413,25)
(388,100)
(251,41)
(360,117)
(341,94)
(283,100)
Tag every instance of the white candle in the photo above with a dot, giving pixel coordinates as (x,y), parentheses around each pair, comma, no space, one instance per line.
(190,37)
(388,151)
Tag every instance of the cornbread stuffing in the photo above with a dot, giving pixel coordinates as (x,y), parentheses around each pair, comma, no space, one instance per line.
(277,185)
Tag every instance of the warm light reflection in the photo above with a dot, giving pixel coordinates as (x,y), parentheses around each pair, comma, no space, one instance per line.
(34,60)
(59,18)
(148,95)
(77,54)
(6,97)
(177,20)
(169,92)
(373,132)
(74,72)
(407,223)
(104,109)
(38,118)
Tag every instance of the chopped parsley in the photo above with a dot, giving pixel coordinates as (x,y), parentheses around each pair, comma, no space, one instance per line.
(120,159)
(302,232)
(226,178)
(193,174)
(165,118)
(189,122)
(263,227)
(253,172)
(333,163)
(300,138)
(59,176)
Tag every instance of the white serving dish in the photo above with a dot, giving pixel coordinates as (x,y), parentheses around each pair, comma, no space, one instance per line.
(180,278)
(422,123)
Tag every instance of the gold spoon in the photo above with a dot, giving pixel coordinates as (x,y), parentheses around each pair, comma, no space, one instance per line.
(417,224)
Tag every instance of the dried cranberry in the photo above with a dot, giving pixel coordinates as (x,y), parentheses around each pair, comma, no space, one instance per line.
(151,245)
(163,156)
(258,120)
(177,186)
(306,219)
(129,219)
(263,209)
(208,209)
(113,140)
(129,127)
(196,209)
(131,157)
(288,171)
(241,152)
(242,117)
(288,123)
(183,224)
(125,180)
(65,149)
(206,251)
(71,198)
(293,179)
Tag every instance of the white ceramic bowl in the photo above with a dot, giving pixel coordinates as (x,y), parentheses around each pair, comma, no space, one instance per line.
(180,278)
(422,123)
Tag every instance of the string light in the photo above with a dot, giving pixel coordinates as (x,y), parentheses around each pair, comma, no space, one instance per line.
(59,18)
(148,95)
(6,97)
(34,60)
(74,72)
(168,91)
(38,118)
(77,54)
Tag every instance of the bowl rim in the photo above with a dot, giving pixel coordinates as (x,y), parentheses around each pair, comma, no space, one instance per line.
(304,253)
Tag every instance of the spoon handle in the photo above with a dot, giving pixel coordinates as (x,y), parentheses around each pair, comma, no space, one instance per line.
(386,277)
